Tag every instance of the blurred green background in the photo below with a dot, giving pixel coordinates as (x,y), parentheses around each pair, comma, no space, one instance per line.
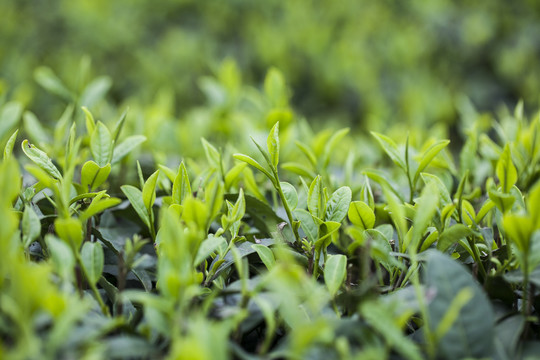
(366,64)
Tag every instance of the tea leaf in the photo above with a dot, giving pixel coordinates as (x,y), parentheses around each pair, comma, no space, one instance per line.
(316,201)
(49,81)
(8,149)
(338,205)
(335,271)
(273,144)
(135,197)
(506,171)
(181,186)
(391,149)
(452,235)
(361,215)
(92,261)
(291,196)
(207,247)
(253,163)
(125,147)
(428,156)
(95,91)
(92,176)
(266,255)
(40,159)
(101,144)
(31,226)
(149,190)
(70,230)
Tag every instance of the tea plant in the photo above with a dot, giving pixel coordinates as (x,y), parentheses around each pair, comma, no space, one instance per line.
(282,249)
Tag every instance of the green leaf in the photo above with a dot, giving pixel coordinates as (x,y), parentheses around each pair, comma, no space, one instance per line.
(503,201)
(519,229)
(472,332)
(213,197)
(335,271)
(101,144)
(149,190)
(119,126)
(291,196)
(316,201)
(308,224)
(31,226)
(33,128)
(181,186)
(9,117)
(308,153)
(332,143)
(273,144)
(338,205)
(361,215)
(195,213)
(98,205)
(40,159)
(92,261)
(506,171)
(233,174)
(135,197)
(125,147)
(452,235)
(428,155)
(443,191)
(50,82)
(61,256)
(426,207)
(266,255)
(207,247)
(253,163)
(95,91)
(239,208)
(92,175)
(8,149)
(298,169)
(391,149)
(89,120)
(212,155)
(70,230)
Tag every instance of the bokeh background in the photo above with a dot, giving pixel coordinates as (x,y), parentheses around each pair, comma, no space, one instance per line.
(365,64)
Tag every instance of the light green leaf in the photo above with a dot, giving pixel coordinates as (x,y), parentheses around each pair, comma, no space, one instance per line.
(212,155)
(101,144)
(472,332)
(338,205)
(506,171)
(149,190)
(89,120)
(308,224)
(273,144)
(70,230)
(443,191)
(316,201)
(308,153)
(253,163)
(233,174)
(119,126)
(40,159)
(207,247)
(8,149)
(31,226)
(135,197)
(33,128)
(99,203)
(332,143)
(95,91)
(239,208)
(428,155)
(92,176)
(266,255)
(213,197)
(361,215)
(519,229)
(92,261)
(335,271)
(61,256)
(391,149)
(291,196)
(125,147)
(181,186)
(50,82)
(452,235)
(9,117)
(426,207)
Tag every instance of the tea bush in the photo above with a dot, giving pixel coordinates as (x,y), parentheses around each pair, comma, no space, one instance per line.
(125,234)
